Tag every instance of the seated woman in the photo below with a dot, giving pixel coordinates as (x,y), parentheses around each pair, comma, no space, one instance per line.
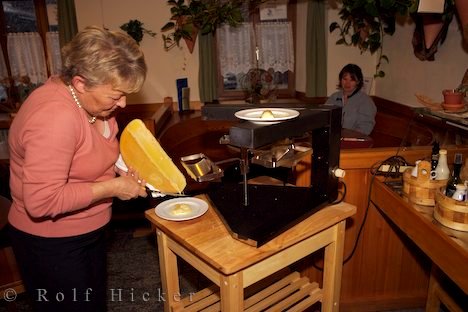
(358,108)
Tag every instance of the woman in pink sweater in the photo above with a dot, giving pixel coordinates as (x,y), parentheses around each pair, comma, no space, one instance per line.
(63,147)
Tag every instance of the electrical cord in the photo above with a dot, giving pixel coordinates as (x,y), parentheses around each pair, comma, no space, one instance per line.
(395,162)
(343,194)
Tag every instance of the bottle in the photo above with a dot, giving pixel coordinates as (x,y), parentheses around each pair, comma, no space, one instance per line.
(455,177)
(442,170)
(435,155)
(460,193)
(434,158)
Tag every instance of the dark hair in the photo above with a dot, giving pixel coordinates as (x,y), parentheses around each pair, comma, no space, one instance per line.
(356,74)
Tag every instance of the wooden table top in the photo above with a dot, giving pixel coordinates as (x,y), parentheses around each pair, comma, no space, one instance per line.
(208,238)
(446,247)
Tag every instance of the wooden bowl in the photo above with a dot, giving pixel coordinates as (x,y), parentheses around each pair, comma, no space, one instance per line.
(450,212)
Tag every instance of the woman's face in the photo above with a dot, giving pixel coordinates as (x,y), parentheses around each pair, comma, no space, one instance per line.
(348,84)
(102,100)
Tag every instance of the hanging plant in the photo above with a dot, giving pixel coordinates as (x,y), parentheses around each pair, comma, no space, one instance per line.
(136,30)
(204,16)
(365,23)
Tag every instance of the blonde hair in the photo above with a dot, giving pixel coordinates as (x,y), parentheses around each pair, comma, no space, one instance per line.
(104,57)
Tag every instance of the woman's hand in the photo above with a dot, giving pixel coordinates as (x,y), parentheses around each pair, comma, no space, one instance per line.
(127,186)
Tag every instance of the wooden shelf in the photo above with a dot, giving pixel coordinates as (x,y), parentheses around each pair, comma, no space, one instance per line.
(293,292)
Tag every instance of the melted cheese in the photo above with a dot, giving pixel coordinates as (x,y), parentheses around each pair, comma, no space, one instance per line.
(141,150)
(267,114)
(181,209)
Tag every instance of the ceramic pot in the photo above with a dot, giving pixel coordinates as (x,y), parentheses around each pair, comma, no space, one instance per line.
(452,97)
(190,28)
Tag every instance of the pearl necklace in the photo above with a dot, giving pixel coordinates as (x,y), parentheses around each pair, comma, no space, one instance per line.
(72,91)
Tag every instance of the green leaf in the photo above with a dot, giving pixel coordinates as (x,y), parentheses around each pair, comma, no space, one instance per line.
(333,26)
(387,4)
(371,9)
(374,46)
(379,74)
(355,38)
(168,26)
(340,41)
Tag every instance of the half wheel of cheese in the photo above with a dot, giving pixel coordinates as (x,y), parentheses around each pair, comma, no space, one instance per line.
(141,150)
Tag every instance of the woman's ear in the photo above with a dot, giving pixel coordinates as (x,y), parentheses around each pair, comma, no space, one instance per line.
(78,83)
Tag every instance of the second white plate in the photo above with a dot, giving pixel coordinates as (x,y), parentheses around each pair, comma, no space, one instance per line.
(165,209)
(255,114)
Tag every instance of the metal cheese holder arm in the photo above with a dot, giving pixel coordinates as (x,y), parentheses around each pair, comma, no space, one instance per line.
(257,213)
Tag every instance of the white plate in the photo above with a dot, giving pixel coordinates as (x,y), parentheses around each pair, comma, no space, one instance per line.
(254,114)
(164,209)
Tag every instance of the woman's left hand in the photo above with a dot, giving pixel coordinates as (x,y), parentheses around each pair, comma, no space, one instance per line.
(125,187)
(130,185)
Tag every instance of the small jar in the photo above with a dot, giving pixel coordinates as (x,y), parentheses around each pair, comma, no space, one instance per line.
(460,192)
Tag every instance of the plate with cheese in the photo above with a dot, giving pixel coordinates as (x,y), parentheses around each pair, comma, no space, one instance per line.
(267,115)
(181,209)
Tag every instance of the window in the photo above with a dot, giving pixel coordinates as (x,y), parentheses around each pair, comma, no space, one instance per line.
(30,48)
(258,56)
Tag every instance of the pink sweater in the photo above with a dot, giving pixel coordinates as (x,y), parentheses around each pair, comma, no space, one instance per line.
(55,156)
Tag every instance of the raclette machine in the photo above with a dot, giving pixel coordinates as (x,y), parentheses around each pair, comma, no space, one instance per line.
(255,213)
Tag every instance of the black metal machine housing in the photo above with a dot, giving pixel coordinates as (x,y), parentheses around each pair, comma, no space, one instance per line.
(272,209)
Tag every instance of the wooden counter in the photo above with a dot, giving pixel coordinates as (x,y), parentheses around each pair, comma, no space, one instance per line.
(386,270)
(446,248)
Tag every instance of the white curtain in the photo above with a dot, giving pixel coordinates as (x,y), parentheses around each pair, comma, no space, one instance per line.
(27,58)
(236,48)
(53,52)
(275,44)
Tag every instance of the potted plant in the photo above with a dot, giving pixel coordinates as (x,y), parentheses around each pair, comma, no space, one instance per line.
(136,30)
(365,23)
(454,97)
(204,16)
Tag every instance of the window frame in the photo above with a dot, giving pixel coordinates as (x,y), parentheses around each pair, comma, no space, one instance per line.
(289,92)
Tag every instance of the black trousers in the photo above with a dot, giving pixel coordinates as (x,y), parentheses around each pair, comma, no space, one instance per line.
(63,274)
